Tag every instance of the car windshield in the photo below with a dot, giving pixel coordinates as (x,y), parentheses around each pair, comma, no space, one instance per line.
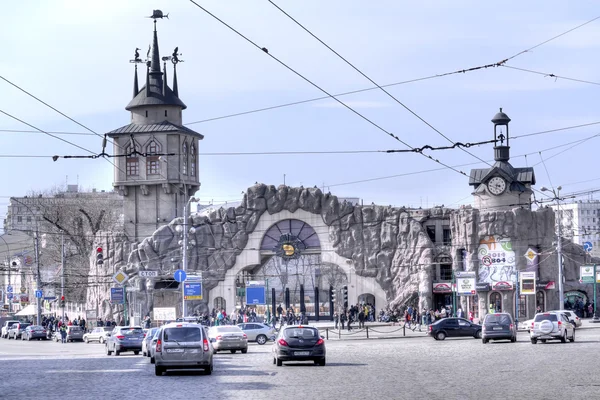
(545,317)
(107,328)
(23,326)
(300,333)
(227,329)
(74,328)
(182,334)
(36,328)
(132,331)
(499,319)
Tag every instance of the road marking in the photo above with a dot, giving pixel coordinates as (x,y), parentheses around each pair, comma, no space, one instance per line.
(93,371)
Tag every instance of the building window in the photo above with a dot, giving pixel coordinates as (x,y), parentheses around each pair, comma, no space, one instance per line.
(19,219)
(540,301)
(152,161)
(522,306)
(165,113)
(431,232)
(184,159)
(445,272)
(132,161)
(28,220)
(447,238)
(193,160)
(146,113)
(496,301)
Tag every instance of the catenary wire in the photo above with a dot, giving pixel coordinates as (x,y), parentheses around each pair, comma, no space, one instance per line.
(551,75)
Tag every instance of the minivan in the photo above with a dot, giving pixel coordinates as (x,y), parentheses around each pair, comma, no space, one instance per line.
(498,326)
(182,345)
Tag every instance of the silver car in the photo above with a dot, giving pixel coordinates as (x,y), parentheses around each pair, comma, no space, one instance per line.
(152,347)
(125,338)
(552,326)
(257,332)
(146,344)
(98,334)
(182,345)
(228,337)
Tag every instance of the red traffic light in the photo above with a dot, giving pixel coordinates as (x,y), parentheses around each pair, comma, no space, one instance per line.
(62,298)
(99,250)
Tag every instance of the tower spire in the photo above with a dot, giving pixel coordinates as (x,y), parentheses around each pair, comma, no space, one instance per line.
(164,88)
(175,87)
(136,89)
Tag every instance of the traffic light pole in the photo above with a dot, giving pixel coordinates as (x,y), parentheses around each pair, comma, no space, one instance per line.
(38,280)
(62,272)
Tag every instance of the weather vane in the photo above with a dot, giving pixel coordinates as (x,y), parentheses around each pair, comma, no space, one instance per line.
(174,57)
(157,14)
(136,57)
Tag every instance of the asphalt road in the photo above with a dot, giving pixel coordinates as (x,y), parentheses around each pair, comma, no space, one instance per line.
(412,367)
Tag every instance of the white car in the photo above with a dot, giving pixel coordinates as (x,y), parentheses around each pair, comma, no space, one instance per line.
(573,318)
(526,325)
(552,326)
(6,326)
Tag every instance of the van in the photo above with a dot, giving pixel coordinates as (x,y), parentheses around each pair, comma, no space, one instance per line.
(182,345)
(498,326)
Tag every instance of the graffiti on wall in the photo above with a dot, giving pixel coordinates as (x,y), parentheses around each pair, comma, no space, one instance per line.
(497,263)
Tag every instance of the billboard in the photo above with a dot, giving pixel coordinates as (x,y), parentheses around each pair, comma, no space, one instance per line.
(497,262)
(164,313)
(527,282)
(255,295)
(465,283)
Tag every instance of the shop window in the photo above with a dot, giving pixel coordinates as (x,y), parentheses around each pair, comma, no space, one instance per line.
(522,306)
(496,301)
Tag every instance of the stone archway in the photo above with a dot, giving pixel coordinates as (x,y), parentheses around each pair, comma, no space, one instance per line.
(366,298)
(219,303)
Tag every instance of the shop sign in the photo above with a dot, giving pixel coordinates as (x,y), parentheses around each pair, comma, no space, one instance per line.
(442,287)
(466,286)
(546,285)
(502,285)
(527,282)
(482,287)
(586,274)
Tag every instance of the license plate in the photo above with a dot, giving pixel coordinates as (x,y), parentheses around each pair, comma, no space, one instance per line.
(301,353)
(497,328)
(174,350)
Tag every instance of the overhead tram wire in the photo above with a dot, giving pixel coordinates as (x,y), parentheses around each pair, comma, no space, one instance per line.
(551,75)
(374,83)
(322,90)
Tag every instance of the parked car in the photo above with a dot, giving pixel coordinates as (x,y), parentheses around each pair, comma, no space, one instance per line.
(146,344)
(34,332)
(257,332)
(228,337)
(182,345)
(97,334)
(526,325)
(571,316)
(152,348)
(552,326)
(498,326)
(16,330)
(6,326)
(125,338)
(74,333)
(454,327)
(299,343)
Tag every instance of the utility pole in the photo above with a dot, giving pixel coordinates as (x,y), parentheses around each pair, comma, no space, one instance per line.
(62,270)
(38,280)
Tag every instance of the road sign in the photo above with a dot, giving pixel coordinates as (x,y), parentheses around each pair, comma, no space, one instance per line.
(117,295)
(588,246)
(148,274)
(9,295)
(120,277)
(586,274)
(192,291)
(179,275)
(39,294)
(9,289)
(255,295)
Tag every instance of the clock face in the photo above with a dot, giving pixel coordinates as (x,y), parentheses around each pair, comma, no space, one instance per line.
(496,185)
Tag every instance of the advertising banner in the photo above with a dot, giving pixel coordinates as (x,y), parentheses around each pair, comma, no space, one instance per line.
(497,261)
(164,313)
(527,282)
(442,287)
(465,283)
(586,274)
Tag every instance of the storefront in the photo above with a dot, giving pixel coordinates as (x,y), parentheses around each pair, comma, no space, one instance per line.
(442,295)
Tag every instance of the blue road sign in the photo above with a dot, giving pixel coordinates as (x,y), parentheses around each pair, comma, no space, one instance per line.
(117,295)
(180,275)
(588,246)
(255,295)
(9,295)
(39,294)
(9,289)
(192,291)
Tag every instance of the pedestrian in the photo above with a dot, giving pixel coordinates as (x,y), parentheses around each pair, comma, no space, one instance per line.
(147,321)
(63,334)
(471,316)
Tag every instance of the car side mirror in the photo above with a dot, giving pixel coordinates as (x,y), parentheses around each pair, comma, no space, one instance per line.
(154,341)
(108,334)
(212,340)
(322,337)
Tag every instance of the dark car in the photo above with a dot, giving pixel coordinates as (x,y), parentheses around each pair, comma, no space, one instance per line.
(299,343)
(34,332)
(454,327)
(125,338)
(498,326)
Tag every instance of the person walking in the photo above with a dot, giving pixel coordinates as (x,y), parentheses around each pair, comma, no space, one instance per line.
(63,334)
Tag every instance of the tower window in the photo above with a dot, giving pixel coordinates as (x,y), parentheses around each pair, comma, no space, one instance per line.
(165,113)
(132,162)
(146,113)
(184,159)
(193,161)
(152,160)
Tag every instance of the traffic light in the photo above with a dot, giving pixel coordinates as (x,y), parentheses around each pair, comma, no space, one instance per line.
(99,256)
(332,294)
(62,301)
(345,295)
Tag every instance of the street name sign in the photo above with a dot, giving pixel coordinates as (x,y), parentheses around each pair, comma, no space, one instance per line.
(192,291)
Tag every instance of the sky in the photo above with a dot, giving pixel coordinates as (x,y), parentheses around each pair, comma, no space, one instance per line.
(74,55)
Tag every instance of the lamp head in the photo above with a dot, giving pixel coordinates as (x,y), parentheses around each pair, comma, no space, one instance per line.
(559,188)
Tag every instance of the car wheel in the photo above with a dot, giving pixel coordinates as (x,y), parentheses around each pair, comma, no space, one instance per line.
(158,370)
(108,352)
(278,362)
(274,360)
(440,336)
(214,351)
(244,351)
(261,339)
(86,340)
(117,352)
(232,351)
(152,360)
(484,341)
(513,340)
(101,340)
(144,354)
(320,363)
(563,339)
(533,341)
(208,371)
(478,335)
(136,352)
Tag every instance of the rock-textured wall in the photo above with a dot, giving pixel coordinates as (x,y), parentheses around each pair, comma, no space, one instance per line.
(384,242)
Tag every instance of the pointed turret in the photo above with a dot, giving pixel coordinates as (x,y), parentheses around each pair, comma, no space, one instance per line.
(136,89)
(165,87)
(175,87)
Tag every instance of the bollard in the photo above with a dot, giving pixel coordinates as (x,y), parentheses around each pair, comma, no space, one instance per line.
(404,330)
(327,333)
(367,332)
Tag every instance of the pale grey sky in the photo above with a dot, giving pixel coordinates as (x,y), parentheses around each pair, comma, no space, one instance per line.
(75,55)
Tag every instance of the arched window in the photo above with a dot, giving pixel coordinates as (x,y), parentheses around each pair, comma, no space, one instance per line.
(132,160)
(184,159)
(152,160)
(193,160)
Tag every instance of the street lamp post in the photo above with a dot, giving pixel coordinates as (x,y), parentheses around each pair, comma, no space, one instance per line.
(184,248)
(8,266)
(561,296)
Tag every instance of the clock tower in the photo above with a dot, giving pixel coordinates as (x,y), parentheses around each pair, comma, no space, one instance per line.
(502,187)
